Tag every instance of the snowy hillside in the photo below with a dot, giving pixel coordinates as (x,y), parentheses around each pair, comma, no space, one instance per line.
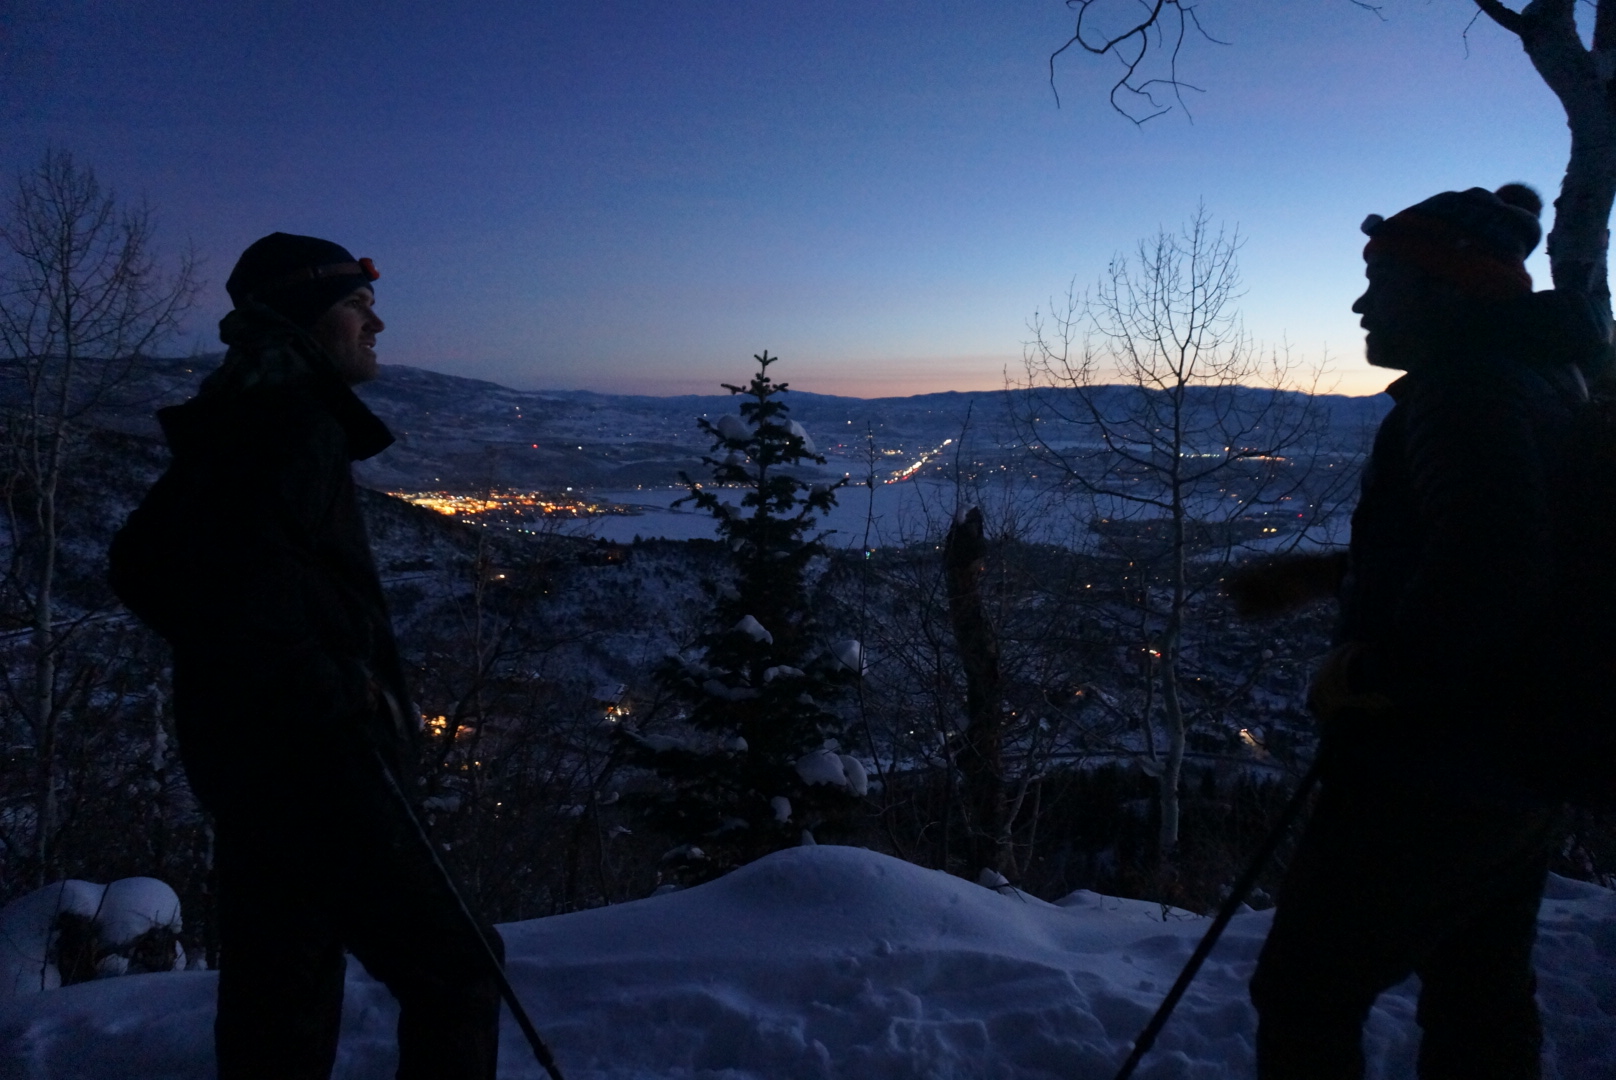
(838,962)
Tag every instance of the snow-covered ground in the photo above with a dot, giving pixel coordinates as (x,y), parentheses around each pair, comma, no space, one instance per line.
(838,962)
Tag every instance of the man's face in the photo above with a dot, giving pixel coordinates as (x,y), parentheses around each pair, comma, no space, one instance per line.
(1402,309)
(348,333)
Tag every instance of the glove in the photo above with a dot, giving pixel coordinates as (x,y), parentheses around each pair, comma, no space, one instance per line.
(1333,694)
(1268,588)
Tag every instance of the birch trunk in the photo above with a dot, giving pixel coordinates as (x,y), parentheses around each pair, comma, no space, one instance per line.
(47,427)
(1173,632)
(1172,704)
(1581,78)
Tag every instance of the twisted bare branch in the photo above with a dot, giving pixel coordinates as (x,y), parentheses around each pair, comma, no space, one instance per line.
(1132,47)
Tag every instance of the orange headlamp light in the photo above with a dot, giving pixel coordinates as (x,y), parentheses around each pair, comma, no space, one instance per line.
(363,268)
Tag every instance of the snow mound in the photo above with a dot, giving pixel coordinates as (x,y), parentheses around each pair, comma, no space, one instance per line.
(116,916)
(831,962)
(28,930)
(132,906)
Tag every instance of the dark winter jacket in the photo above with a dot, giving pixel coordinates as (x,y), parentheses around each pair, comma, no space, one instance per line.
(1452,569)
(284,657)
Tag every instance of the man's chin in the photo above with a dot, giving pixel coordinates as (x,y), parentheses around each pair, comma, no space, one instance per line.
(1382,354)
(359,367)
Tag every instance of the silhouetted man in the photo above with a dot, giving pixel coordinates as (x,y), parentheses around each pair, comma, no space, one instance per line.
(251,557)
(1428,847)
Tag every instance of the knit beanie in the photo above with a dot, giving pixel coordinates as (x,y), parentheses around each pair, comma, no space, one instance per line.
(1475,239)
(300,277)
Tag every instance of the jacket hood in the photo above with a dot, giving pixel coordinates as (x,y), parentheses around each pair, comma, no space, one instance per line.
(270,355)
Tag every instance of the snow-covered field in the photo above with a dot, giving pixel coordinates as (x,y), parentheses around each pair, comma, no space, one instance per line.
(902,513)
(838,962)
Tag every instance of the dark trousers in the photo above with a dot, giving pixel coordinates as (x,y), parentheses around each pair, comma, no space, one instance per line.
(1407,870)
(337,866)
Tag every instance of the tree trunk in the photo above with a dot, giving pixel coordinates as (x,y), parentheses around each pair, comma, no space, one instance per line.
(1173,766)
(981,758)
(1581,79)
(45,724)
(1172,704)
(47,473)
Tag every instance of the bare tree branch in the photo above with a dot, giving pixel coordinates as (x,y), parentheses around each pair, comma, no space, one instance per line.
(1503,16)
(1582,78)
(1131,47)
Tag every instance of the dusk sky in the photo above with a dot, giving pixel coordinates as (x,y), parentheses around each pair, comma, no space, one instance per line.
(636,197)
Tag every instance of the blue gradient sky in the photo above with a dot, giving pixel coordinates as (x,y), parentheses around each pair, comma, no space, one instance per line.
(635,197)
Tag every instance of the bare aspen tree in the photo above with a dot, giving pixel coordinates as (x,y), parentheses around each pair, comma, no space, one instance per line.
(1150,406)
(82,299)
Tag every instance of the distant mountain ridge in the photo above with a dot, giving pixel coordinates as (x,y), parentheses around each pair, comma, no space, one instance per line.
(459,433)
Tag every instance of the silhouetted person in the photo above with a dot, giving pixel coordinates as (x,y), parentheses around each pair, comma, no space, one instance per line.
(1428,848)
(287,682)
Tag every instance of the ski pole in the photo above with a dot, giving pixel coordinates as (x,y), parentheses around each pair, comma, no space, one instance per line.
(1237,896)
(540,1049)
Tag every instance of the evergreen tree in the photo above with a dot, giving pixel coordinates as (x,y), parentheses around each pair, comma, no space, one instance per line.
(759,761)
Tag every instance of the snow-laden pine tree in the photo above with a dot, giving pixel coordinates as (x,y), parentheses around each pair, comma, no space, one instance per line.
(758,758)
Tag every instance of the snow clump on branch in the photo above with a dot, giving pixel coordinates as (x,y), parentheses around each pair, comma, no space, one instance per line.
(822,767)
(858,778)
(802,433)
(850,655)
(828,767)
(754,630)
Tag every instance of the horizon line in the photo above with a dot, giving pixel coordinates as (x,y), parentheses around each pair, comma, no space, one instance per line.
(718,393)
